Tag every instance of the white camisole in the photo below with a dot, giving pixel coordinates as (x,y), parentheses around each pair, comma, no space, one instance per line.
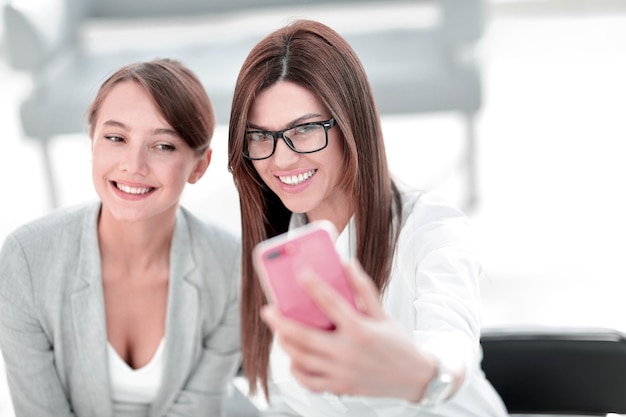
(134,390)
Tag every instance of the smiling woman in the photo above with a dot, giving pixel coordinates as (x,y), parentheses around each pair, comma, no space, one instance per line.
(152,322)
(139,157)
(306,144)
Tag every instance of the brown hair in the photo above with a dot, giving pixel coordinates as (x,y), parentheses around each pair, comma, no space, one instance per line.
(316,57)
(177,92)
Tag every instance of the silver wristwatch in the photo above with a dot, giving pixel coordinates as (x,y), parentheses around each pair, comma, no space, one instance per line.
(439,388)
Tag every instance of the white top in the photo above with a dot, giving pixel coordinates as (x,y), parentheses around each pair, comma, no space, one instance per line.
(134,390)
(433,293)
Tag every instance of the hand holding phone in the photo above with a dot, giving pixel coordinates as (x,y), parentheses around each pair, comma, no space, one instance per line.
(280,260)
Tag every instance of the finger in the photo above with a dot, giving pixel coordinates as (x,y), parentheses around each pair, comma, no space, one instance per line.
(278,323)
(323,382)
(302,341)
(317,382)
(334,305)
(293,336)
(270,315)
(307,363)
(313,381)
(365,291)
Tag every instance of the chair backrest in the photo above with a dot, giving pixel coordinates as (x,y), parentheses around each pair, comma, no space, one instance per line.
(37,31)
(156,8)
(463,20)
(557,371)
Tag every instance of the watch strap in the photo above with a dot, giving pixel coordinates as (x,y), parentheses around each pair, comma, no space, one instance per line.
(438,388)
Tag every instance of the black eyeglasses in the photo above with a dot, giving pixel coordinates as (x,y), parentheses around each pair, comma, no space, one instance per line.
(303,138)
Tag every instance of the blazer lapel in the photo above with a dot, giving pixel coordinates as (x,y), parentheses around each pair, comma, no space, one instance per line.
(182,316)
(88,316)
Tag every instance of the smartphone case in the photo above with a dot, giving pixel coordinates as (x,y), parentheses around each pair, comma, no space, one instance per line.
(279,260)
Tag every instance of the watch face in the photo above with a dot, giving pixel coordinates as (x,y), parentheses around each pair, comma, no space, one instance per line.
(438,388)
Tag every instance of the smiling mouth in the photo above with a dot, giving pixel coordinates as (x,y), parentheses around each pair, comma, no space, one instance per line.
(132,190)
(297,179)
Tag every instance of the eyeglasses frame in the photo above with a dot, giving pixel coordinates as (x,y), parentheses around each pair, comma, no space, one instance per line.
(280,134)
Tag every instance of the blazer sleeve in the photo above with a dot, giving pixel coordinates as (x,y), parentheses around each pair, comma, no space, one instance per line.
(33,380)
(206,388)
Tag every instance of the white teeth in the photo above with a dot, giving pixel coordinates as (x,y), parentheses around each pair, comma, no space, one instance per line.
(297,179)
(132,190)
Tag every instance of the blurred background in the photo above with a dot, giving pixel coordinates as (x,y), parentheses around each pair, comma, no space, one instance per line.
(549,217)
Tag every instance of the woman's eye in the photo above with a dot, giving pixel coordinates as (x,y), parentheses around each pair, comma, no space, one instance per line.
(165,147)
(113,138)
(258,137)
(307,129)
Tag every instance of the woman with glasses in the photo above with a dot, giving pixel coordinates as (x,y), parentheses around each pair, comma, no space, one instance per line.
(305,143)
(128,305)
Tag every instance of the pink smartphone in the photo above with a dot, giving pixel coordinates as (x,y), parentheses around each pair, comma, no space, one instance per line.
(279,260)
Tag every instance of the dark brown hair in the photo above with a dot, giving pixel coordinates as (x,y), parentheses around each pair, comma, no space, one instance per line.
(176,91)
(316,57)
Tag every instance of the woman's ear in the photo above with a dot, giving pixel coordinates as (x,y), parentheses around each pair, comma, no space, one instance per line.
(201,166)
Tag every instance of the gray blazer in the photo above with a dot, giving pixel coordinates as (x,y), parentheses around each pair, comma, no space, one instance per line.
(52,320)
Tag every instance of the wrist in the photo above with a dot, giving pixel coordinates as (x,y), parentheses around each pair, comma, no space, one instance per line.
(439,385)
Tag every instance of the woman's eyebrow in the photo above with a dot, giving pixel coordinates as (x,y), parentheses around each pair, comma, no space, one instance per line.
(155,131)
(165,131)
(299,120)
(115,123)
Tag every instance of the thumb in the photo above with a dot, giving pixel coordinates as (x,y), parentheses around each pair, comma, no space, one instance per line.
(366,294)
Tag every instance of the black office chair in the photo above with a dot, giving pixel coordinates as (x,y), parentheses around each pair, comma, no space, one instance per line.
(552,371)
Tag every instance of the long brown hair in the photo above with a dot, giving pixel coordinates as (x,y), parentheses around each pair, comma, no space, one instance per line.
(316,57)
(176,91)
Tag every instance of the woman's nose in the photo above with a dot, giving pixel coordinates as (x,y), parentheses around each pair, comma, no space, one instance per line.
(135,160)
(283,154)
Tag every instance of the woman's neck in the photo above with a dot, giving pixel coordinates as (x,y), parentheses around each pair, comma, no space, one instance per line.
(338,211)
(135,245)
